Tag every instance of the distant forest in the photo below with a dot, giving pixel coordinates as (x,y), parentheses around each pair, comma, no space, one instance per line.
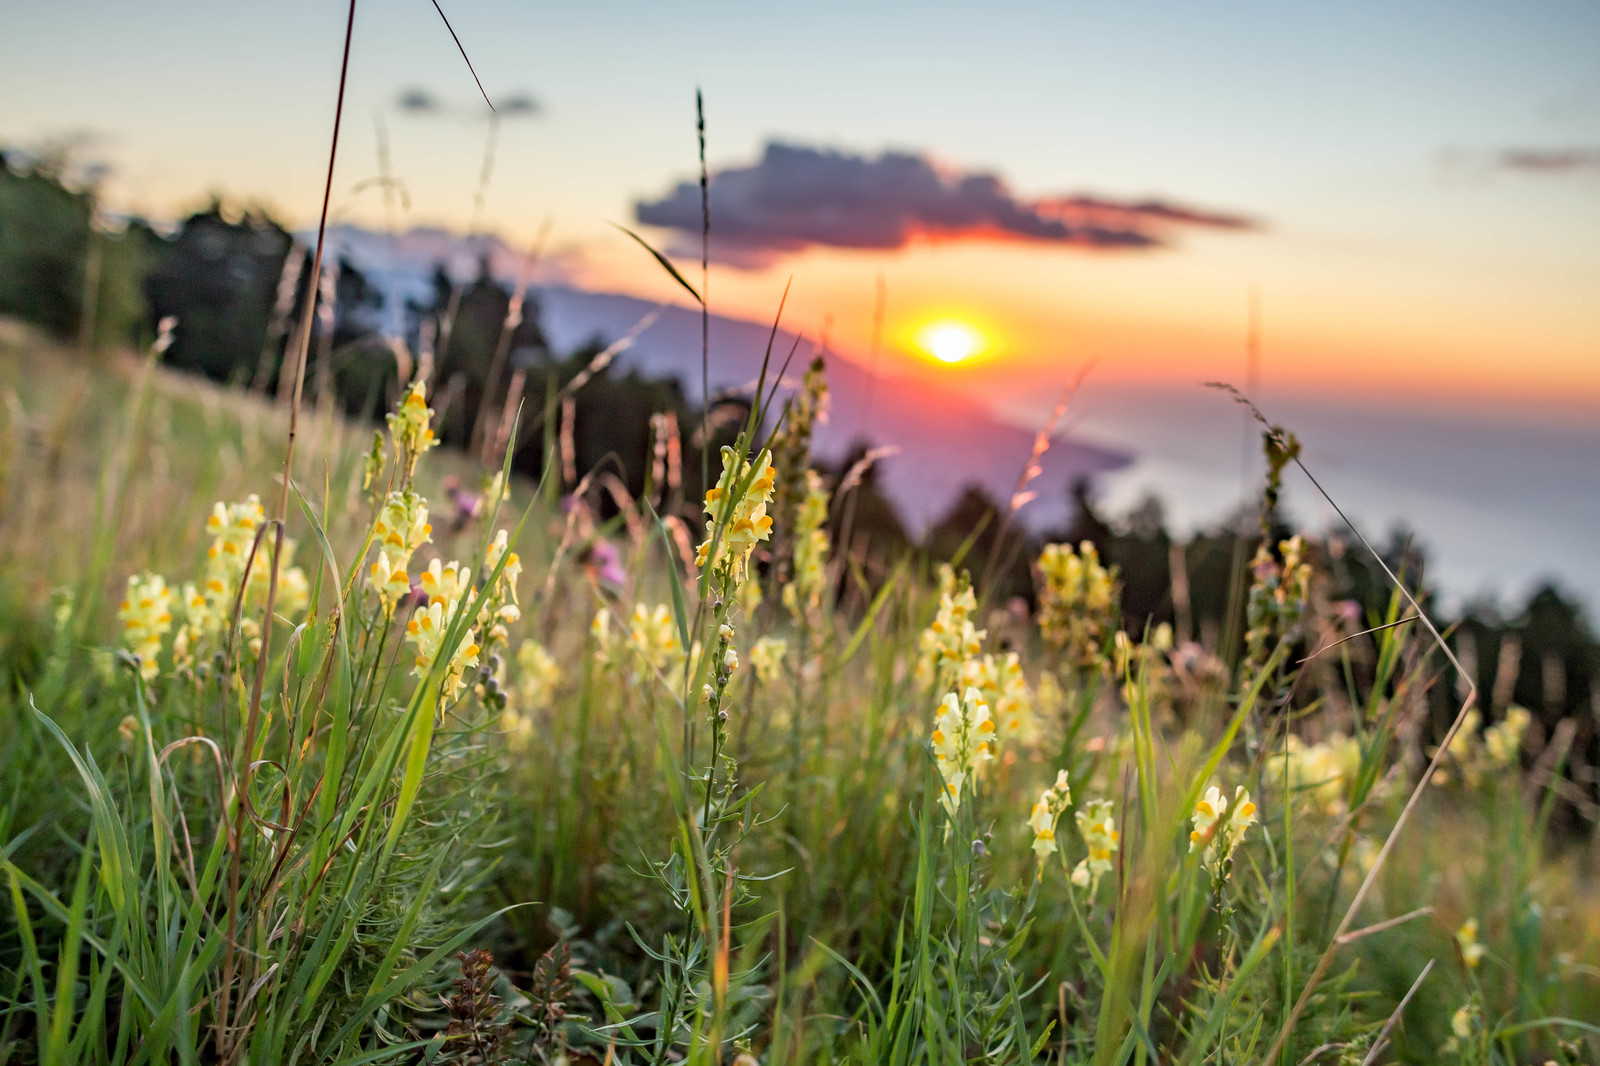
(237,282)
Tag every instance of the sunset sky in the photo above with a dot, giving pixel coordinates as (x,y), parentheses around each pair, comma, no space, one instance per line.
(1400,242)
(1413,190)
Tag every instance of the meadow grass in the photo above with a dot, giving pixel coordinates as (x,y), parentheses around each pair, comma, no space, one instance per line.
(619,806)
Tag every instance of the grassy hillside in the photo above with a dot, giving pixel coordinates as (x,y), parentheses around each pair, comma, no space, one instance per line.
(609,796)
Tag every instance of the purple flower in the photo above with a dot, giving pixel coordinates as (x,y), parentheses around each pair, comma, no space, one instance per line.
(468,505)
(603,563)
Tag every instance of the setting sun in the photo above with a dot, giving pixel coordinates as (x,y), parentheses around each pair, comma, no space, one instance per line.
(950,342)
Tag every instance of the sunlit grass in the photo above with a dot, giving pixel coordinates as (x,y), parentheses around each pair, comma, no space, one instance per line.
(727,820)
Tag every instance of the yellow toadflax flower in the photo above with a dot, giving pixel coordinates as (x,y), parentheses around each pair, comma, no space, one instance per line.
(1052,801)
(401,528)
(1099,830)
(513,570)
(654,636)
(1218,832)
(748,522)
(600,630)
(146,616)
(409,427)
(1502,742)
(810,577)
(539,674)
(766,658)
(950,640)
(500,606)
(444,581)
(1003,685)
(1077,599)
(426,631)
(963,740)
(1467,936)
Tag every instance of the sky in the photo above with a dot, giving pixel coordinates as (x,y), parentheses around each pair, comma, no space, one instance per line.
(1412,191)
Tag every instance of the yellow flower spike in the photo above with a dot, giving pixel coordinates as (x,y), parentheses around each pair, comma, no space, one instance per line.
(410,429)
(959,747)
(1077,597)
(654,635)
(748,524)
(1467,936)
(950,639)
(426,631)
(1052,802)
(1098,827)
(1220,827)
(146,616)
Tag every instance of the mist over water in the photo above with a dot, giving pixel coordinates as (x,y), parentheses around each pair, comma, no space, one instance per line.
(1501,503)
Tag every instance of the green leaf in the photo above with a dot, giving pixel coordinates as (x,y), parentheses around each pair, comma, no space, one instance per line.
(665,263)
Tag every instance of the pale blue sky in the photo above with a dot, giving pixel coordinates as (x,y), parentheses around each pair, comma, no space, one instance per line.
(1330,112)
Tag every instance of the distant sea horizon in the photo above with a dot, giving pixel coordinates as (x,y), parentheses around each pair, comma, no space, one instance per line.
(1501,503)
(1501,500)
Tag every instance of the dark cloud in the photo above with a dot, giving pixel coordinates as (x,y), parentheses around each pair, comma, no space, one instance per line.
(1550,160)
(797,197)
(517,104)
(418,101)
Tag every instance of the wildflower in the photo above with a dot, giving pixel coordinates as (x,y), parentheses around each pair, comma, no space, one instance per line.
(62,600)
(402,526)
(1461,1022)
(294,588)
(198,622)
(655,637)
(233,529)
(444,581)
(1077,598)
(1320,772)
(747,523)
(539,674)
(513,567)
(518,729)
(146,616)
(1467,936)
(1004,687)
(1461,751)
(1277,599)
(1216,831)
(809,578)
(950,639)
(426,631)
(409,427)
(372,465)
(600,631)
(766,658)
(730,658)
(963,740)
(1052,801)
(791,442)
(390,579)
(602,563)
(1099,830)
(1502,742)
(468,505)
